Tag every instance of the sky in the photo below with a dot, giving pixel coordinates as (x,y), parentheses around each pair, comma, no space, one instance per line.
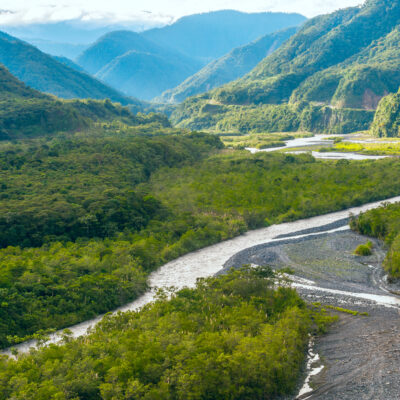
(160,11)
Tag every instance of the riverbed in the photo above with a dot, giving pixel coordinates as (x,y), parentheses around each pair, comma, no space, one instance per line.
(324,140)
(185,270)
(359,357)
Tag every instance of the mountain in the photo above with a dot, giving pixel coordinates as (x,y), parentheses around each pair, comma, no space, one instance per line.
(346,60)
(69,63)
(71,37)
(229,67)
(333,59)
(25,112)
(145,75)
(44,73)
(135,65)
(212,35)
(387,117)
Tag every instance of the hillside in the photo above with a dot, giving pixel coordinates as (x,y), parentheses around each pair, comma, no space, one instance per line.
(321,56)
(144,75)
(25,112)
(212,35)
(345,60)
(387,118)
(44,73)
(135,65)
(232,66)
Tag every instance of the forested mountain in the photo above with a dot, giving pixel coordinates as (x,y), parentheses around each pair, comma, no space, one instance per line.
(333,58)
(44,73)
(349,59)
(135,65)
(211,35)
(229,67)
(25,112)
(387,117)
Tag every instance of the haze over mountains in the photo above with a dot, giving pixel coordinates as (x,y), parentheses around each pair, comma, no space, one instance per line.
(145,65)
(233,65)
(43,72)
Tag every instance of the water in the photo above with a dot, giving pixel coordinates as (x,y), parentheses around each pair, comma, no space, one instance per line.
(299,142)
(336,155)
(206,262)
(319,140)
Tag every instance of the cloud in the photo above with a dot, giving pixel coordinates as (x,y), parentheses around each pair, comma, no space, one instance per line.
(156,12)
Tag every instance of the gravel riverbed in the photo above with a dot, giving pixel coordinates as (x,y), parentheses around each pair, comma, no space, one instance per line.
(360,355)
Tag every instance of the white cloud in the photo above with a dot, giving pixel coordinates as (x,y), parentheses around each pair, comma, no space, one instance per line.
(160,11)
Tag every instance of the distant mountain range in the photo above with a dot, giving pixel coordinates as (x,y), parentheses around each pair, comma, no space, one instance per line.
(226,69)
(58,77)
(137,66)
(349,59)
(145,65)
(71,37)
(211,35)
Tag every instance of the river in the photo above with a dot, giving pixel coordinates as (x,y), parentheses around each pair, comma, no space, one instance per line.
(185,270)
(319,140)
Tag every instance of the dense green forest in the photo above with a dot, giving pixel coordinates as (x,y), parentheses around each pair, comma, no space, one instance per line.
(105,207)
(387,118)
(25,112)
(234,336)
(383,223)
(214,117)
(338,66)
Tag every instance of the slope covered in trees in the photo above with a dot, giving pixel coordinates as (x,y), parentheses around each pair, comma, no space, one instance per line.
(44,73)
(345,60)
(232,66)
(25,112)
(387,118)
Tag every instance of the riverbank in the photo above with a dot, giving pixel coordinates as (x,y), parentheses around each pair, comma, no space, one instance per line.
(359,357)
(208,261)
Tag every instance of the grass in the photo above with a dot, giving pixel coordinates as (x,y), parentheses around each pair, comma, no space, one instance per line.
(364,249)
(261,140)
(347,311)
(392,148)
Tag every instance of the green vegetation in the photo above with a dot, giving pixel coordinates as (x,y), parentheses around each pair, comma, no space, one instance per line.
(233,336)
(364,249)
(24,112)
(231,66)
(383,223)
(347,311)
(199,113)
(132,199)
(270,188)
(328,77)
(260,141)
(79,187)
(392,148)
(387,117)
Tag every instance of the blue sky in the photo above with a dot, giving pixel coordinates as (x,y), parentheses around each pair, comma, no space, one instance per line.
(162,11)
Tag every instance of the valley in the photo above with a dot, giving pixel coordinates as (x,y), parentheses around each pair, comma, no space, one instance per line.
(200,206)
